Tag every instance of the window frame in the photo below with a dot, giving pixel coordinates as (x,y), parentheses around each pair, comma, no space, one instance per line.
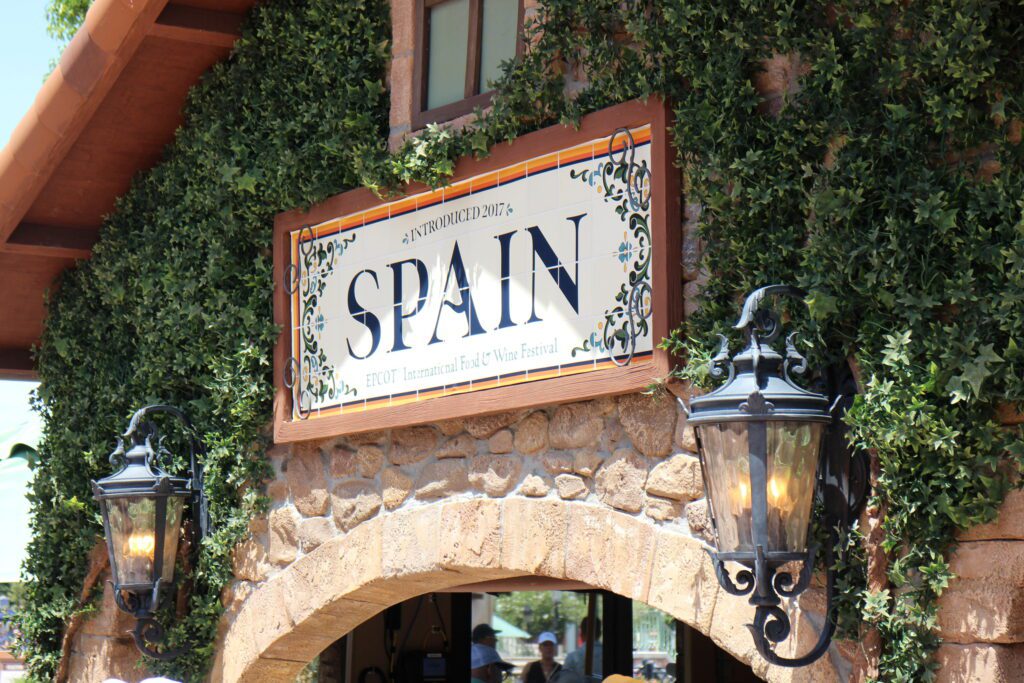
(421,116)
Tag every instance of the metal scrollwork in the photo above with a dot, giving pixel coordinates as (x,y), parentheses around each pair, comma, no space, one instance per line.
(636,311)
(149,631)
(637,177)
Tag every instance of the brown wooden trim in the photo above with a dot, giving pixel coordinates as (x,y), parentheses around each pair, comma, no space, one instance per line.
(51,241)
(198,25)
(451,111)
(473,46)
(521,34)
(17,364)
(421,116)
(666,284)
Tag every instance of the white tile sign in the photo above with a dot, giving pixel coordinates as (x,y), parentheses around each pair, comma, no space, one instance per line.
(540,269)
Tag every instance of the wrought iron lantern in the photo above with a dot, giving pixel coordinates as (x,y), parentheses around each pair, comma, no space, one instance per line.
(768,448)
(143,508)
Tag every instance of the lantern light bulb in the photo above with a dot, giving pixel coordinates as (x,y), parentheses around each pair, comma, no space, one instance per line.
(141,545)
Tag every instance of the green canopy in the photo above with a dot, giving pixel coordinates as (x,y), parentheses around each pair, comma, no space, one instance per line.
(506,629)
(17,453)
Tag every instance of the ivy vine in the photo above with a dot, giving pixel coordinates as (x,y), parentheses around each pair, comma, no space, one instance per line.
(886,180)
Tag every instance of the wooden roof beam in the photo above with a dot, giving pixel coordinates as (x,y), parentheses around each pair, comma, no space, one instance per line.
(17,364)
(50,241)
(198,25)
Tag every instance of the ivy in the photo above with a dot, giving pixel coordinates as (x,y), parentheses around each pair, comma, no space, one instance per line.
(886,180)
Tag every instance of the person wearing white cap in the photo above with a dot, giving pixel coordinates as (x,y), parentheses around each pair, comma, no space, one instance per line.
(486,665)
(546,669)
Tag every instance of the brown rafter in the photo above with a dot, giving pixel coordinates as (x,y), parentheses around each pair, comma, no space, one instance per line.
(197,25)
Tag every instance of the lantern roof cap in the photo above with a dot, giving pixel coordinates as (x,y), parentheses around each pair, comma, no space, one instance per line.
(139,474)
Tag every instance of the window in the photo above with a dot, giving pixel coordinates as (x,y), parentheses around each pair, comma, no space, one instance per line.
(462,44)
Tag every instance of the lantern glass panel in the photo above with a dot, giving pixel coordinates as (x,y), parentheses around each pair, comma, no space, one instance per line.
(792,467)
(171,527)
(132,524)
(727,460)
(133,535)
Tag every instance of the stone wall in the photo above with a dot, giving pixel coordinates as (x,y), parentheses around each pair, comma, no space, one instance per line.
(607,492)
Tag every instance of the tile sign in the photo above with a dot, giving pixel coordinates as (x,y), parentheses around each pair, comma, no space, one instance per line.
(535,270)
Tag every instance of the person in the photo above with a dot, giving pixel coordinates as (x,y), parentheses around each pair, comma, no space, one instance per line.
(485,635)
(486,665)
(546,669)
(576,660)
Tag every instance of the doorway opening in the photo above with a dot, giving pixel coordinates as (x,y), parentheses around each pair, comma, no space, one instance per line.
(428,638)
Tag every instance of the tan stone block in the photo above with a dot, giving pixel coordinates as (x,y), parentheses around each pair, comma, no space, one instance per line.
(501,442)
(728,629)
(354,502)
(400,76)
(250,561)
(365,461)
(557,463)
(108,621)
(495,475)
(371,459)
(284,543)
(306,481)
(412,546)
(535,486)
(403,18)
(1008,525)
(534,536)
(576,425)
(571,487)
(450,427)
(97,658)
(277,491)
(609,550)
(699,521)
(985,602)
(484,426)
(620,483)
(683,581)
(649,421)
(980,663)
(314,532)
(396,486)
(342,566)
(342,462)
(259,525)
(532,433)
(265,615)
(381,438)
(586,462)
(412,444)
(471,534)
(678,477)
(605,405)
(441,479)
(462,446)
(662,509)
(686,436)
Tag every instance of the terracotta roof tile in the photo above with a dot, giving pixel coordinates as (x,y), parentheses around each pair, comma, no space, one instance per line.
(83,63)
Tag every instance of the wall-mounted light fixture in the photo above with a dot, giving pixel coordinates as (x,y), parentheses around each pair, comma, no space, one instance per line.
(768,447)
(143,508)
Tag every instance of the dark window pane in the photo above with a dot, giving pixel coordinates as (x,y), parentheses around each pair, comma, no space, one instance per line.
(449,43)
(498,38)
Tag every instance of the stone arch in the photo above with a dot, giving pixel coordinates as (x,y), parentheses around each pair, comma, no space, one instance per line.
(290,618)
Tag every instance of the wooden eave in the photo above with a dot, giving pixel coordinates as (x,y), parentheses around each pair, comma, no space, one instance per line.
(104,114)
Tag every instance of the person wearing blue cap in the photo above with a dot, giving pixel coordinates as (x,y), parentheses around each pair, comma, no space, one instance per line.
(546,669)
(486,665)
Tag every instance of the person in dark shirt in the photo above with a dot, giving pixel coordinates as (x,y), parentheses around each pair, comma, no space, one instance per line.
(546,669)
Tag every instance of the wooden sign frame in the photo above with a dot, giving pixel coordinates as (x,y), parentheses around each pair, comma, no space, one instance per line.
(666,284)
